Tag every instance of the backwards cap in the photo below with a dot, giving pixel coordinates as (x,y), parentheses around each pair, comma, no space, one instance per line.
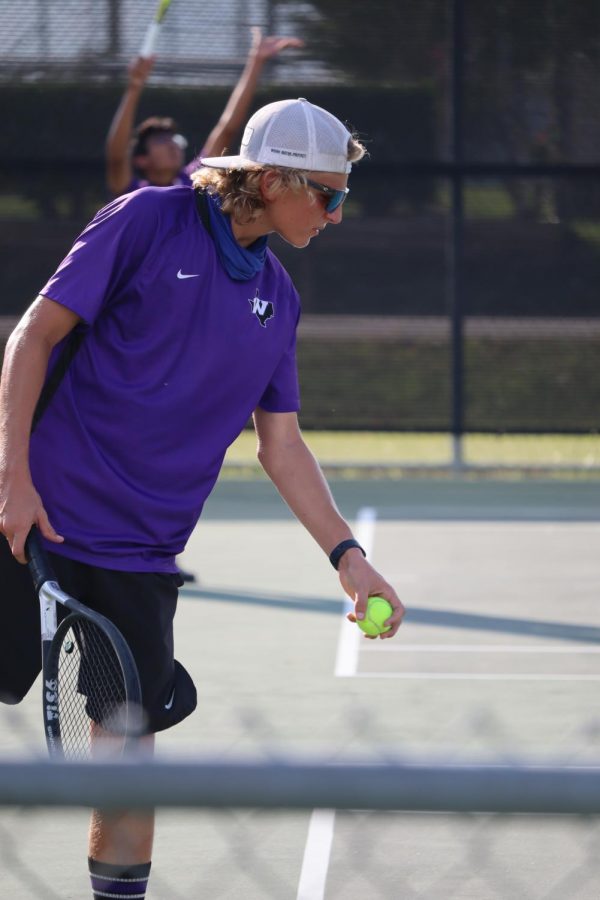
(291,133)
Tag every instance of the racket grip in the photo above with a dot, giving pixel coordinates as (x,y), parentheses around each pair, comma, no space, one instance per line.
(39,565)
(150,40)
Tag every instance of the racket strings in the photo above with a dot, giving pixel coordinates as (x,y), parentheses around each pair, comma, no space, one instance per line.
(92,694)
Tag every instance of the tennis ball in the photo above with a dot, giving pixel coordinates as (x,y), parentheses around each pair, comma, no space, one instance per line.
(378,610)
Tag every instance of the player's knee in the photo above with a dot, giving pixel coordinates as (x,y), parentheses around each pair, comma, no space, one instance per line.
(10,698)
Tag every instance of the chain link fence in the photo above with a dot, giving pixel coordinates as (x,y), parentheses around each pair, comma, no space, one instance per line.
(66,39)
(494,824)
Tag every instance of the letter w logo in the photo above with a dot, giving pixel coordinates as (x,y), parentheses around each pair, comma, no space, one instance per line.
(262,309)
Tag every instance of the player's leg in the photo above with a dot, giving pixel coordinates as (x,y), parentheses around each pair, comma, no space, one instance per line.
(120,846)
(142,606)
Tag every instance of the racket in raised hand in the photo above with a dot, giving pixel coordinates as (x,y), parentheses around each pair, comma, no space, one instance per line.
(91,690)
(153,31)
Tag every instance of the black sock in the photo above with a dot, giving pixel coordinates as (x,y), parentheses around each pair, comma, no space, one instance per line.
(118,881)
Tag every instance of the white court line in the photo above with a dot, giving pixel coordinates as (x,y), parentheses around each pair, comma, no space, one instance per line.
(317,851)
(475,676)
(346,662)
(482,648)
(315,864)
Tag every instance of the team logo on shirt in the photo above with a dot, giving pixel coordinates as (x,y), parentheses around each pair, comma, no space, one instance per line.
(262,309)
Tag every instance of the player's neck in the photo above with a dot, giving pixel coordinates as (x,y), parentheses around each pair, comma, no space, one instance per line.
(160,177)
(251,231)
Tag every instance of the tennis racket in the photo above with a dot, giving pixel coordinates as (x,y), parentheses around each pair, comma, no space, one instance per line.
(91,691)
(154,29)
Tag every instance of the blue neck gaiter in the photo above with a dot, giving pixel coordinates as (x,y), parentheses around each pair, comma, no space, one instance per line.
(240,263)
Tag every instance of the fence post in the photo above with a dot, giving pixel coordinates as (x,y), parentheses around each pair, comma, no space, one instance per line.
(113,46)
(455,239)
(43,29)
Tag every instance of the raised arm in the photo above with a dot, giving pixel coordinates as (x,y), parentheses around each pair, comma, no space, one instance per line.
(235,113)
(25,364)
(298,477)
(119,170)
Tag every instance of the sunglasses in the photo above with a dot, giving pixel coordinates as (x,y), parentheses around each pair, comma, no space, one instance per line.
(334,196)
(165,137)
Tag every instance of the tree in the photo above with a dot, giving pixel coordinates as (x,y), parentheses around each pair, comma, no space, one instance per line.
(388,42)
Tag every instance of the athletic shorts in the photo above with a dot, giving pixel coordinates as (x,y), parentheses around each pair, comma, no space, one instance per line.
(141,604)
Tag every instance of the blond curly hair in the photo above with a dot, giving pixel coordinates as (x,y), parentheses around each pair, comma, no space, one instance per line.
(239,189)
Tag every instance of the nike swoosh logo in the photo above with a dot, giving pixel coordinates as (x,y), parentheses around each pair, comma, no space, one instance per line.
(171,698)
(181,275)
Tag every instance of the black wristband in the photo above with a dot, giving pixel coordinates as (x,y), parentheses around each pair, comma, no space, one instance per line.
(337,552)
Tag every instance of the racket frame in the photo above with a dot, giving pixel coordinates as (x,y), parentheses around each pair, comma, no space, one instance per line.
(50,594)
(153,30)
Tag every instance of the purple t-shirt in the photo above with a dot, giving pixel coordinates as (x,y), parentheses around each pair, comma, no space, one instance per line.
(184,176)
(136,183)
(176,357)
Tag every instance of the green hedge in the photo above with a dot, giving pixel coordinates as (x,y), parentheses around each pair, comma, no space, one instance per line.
(510,385)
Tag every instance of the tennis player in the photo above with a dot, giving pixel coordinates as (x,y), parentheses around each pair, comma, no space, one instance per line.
(153,153)
(189,325)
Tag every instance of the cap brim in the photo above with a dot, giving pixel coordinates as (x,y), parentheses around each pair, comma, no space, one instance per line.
(227,162)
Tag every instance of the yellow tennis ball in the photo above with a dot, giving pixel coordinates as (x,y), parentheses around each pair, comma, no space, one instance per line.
(378,610)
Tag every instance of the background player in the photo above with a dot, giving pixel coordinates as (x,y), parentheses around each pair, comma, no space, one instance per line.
(153,153)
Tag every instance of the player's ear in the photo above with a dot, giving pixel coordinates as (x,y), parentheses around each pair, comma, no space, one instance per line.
(269,187)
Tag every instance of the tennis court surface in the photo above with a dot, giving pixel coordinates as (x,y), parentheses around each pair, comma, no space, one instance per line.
(498,660)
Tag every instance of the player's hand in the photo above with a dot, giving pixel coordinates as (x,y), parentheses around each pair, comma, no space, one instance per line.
(360,581)
(139,70)
(20,508)
(266,47)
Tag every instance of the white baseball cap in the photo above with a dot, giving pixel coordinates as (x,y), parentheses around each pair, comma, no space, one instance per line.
(291,133)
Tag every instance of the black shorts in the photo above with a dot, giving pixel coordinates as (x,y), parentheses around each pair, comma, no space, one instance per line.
(142,606)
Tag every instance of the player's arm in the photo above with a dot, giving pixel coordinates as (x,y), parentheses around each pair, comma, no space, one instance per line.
(119,170)
(235,113)
(296,474)
(23,372)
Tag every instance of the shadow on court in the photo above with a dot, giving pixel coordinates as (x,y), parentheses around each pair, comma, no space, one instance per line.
(559,631)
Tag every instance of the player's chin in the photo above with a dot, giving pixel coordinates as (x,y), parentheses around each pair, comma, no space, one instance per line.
(299,241)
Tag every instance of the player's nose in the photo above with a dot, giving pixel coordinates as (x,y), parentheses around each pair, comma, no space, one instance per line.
(335,217)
